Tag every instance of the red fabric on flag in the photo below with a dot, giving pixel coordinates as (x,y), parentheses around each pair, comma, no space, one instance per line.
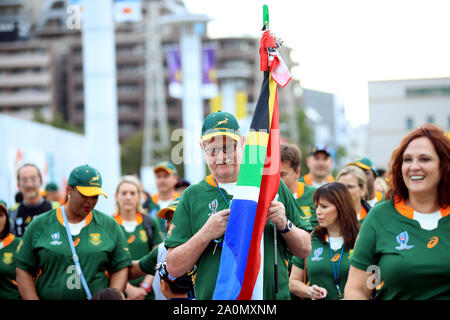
(269,187)
(267,41)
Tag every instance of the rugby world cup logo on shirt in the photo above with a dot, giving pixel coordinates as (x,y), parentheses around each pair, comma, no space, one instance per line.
(55,237)
(213,206)
(317,253)
(402,240)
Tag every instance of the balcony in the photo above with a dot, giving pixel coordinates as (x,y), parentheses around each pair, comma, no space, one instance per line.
(24,61)
(25,80)
(25,99)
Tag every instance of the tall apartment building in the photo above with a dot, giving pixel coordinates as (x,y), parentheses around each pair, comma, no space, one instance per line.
(57,75)
(326,112)
(27,79)
(397,107)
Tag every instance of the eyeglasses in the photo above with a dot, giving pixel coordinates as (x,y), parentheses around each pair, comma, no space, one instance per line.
(31,179)
(226,149)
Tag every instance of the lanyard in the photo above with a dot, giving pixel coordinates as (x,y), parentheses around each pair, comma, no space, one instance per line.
(223,196)
(336,279)
(75,256)
(219,241)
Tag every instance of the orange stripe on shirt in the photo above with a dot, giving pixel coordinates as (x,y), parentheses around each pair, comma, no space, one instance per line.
(300,189)
(362,213)
(8,239)
(60,218)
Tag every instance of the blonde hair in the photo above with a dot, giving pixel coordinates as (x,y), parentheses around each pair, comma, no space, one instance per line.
(134,181)
(358,173)
(382,183)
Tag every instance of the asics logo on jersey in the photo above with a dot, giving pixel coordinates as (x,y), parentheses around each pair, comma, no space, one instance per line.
(433,241)
(317,254)
(55,237)
(402,240)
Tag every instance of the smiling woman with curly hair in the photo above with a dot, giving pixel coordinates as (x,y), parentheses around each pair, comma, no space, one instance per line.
(410,231)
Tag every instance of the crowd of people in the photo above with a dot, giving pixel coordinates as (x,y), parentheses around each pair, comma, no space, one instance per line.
(366,233)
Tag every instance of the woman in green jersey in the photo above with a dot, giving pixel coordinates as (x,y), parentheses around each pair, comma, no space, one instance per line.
(8,246)
(355,180)
(404,244)
(70,252)
(130,215)
(332,243)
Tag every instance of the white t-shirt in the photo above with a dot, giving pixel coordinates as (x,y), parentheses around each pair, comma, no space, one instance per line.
(230,188)
(428,221)
(129,226)
(318,184)
(75,228)
(336,242)
(372,202)
(164,203)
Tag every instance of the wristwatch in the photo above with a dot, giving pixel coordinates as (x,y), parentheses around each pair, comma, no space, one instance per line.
(287,228)
(145,286)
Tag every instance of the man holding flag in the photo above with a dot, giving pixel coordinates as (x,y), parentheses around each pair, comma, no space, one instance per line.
(237,245)
(195,236)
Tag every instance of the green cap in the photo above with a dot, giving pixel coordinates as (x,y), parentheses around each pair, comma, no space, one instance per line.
(4,205)
(364,163)
(87,180)
(51,186)
(166,166)
(220,124)
(171,208)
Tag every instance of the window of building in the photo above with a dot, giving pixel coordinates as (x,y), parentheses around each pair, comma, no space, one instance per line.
(428,91)
(409,123)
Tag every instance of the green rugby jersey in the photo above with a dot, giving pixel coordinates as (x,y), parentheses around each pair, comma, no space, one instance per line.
(138,242)
(305,199)
(8,284)
(203,199)
(101,247)
(307,179)
(148,262)
(413,263)
(319,268)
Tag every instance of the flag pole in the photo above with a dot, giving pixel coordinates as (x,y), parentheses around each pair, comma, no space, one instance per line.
(275,242)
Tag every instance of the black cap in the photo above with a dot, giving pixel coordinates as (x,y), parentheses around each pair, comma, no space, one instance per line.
(183,283)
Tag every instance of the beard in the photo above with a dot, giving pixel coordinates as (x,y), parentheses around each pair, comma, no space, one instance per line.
(31,194)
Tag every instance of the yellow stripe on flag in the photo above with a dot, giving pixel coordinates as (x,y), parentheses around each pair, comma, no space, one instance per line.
(272,94)
(257,138)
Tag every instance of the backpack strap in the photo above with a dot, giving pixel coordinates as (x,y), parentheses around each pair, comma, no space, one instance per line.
(147,222)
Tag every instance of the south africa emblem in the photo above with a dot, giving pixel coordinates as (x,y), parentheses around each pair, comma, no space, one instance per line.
(95,239)
(7,258)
